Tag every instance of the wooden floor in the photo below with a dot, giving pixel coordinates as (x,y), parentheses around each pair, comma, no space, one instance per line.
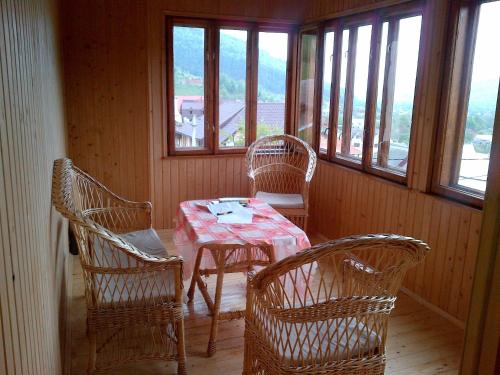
(420,341)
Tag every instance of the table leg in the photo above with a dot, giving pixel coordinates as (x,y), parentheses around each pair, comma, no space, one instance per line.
(196,272)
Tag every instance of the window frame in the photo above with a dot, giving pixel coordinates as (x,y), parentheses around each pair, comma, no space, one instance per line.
(310,30)
(461,37)
(211,82)
(376,19)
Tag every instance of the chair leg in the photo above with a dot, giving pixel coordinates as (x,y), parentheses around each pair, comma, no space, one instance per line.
(247,348)
(196,270)
(92,352)
(181,350)
(212,342)
(179,326)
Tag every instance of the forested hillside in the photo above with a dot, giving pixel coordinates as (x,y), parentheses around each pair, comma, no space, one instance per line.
(188,47)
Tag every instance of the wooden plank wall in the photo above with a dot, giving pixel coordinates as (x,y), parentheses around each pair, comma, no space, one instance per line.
(34,270)
(325,9)
(105,64)
(345,202)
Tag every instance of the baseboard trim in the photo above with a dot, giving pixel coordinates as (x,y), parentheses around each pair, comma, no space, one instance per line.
(434,308)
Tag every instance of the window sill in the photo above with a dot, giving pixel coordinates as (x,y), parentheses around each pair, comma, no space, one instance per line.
(462,196)
(204,156)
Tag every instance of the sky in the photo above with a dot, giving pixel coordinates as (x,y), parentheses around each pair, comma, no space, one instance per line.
(487,53)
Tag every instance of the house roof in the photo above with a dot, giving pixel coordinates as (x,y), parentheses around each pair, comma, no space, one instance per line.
(231,115)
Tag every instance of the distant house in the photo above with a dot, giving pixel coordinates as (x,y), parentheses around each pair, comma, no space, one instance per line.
(190,120)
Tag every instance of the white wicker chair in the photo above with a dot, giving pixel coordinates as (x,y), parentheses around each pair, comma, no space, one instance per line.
(325,310)
(280,169)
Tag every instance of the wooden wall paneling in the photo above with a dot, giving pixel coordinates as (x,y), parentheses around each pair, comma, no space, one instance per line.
(34,281)
(358,203)
(413,226)
(450,253)
(459,262)
(325,9)
(106,81)
(470,264)
(286,11)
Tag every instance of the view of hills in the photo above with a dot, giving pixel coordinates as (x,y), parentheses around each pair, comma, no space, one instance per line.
(188,61)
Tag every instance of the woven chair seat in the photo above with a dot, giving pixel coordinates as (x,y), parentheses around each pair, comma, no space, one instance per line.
(133,288)
(278,200)
(325,341)
(147,241)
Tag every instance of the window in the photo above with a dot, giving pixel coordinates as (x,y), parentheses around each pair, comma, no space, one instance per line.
(326,91)
(368,81)
(227,84)
(397,78)
(470,95)
(189,87)
(232,90)
(272,79)
(306,85)
(355,61)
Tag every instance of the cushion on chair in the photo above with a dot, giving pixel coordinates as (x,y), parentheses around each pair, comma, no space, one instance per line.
(278,200)
(117,287)
(147,241)
(305,340)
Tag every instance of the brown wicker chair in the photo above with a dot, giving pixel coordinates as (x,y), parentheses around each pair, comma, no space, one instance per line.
(133,288)
(228,258)
(325,310)
(280,169)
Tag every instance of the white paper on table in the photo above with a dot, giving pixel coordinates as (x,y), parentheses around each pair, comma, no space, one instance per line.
(221,208)
(240,215)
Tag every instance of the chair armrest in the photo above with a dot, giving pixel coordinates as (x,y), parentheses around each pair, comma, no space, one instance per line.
(129,217)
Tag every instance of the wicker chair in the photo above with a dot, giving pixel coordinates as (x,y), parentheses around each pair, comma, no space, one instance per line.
(133,289)
(228,258)
(280,169)
(325,310)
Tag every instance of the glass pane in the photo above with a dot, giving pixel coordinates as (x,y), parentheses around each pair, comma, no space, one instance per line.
(404,92)
(394,140)
(273,56)
(327,82)
(381,75)
(482,101)
(306,86)
(343,79)
(189,86)
(232,87)
(357,121)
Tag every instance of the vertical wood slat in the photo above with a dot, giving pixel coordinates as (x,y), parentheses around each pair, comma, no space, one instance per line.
(346,202)
(34,269)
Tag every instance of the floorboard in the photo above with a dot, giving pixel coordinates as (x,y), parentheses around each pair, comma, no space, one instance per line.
(419,340)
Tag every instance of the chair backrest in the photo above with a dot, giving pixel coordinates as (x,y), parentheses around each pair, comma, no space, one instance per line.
(114,270)
(280,164)
(340,289)
(96,215)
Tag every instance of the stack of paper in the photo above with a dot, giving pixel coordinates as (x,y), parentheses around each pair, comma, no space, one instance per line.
(231,213)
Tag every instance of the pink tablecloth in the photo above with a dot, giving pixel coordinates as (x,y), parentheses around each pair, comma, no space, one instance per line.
(197,226)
